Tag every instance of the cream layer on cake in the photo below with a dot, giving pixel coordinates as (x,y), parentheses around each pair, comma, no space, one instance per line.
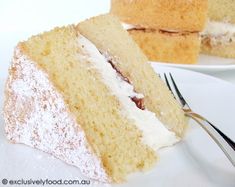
(155,134)
(219,32)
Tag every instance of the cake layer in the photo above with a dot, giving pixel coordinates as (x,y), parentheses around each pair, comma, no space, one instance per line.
(164,46)
(217,49)
(183,15)
(114,42)
(221,10)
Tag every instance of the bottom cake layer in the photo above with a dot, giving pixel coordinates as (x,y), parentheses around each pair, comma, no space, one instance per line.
(227,50)
(163,46)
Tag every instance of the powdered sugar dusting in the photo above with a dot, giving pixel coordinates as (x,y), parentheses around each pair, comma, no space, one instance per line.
(35,114)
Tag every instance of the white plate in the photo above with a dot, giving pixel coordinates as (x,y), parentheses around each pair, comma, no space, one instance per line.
(206,64)
(196,161)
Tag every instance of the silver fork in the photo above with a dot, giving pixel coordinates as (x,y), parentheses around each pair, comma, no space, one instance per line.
(224,142)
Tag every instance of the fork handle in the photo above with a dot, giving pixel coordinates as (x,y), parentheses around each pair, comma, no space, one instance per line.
(223,141)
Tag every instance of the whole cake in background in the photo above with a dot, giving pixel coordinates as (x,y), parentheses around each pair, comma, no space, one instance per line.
(218,38)
(86,95)
(166,30)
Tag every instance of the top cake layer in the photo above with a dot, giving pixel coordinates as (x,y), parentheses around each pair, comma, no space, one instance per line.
(182,15)
(222,10)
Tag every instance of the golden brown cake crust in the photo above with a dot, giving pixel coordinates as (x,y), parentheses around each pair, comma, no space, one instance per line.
(35,114)
(186,15)
(180,48)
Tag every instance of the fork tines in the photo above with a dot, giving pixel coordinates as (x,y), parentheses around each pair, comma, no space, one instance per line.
(179,95)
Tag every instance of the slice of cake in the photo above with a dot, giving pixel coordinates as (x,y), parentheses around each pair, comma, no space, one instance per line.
(166,31)
(218,38)
(87,96)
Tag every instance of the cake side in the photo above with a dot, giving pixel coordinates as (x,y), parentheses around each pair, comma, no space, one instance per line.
(218,49)
(35,114)
(221,10)
(131,62)
(180,48)
(183,15)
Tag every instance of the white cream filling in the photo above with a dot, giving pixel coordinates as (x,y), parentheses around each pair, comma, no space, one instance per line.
(219,32)
(127,26)
(155,134)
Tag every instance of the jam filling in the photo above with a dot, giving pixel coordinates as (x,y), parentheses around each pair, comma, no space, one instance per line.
(162,31)
(139,102)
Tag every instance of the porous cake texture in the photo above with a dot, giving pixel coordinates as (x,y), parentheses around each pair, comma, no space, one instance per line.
(179,15)
(90,100)
(221,10)
(180,48)
(218,38)
(222,50)
(164,29)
